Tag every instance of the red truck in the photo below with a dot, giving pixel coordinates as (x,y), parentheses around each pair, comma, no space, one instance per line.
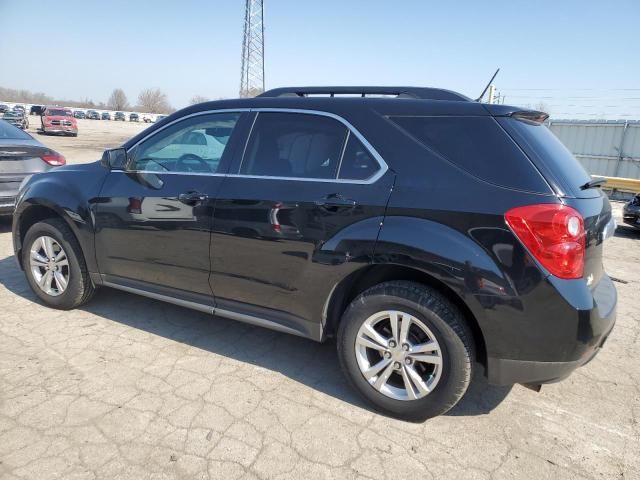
(59,121)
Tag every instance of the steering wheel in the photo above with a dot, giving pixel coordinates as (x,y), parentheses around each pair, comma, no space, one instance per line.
(183,163)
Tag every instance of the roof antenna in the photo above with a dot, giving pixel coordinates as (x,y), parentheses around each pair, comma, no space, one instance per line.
(487,87)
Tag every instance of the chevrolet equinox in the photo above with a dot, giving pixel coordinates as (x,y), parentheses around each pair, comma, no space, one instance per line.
(430,234)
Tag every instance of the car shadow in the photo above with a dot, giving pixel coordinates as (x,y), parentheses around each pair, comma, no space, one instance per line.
(5,223)
(304,361)
(625,231)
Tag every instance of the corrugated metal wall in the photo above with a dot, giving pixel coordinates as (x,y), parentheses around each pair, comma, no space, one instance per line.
(610,148)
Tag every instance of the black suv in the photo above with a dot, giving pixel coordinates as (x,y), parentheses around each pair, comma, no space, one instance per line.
(430,234)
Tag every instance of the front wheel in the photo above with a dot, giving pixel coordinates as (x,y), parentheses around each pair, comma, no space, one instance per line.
(407,349)
(54,265)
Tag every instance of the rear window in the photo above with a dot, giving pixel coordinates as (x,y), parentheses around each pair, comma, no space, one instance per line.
(8,131)
(477,145)
(551,155)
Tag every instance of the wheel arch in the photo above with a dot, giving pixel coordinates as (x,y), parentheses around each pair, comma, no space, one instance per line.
(33,213)
(357,282)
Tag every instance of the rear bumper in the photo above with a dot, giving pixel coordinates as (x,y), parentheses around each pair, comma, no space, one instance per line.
(592,330)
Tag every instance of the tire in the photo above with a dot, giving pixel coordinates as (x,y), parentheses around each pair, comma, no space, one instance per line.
(432,318)
(79,288)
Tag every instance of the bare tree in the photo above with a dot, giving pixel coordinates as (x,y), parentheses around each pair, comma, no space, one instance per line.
(153,100)
(198,99)
(118,100)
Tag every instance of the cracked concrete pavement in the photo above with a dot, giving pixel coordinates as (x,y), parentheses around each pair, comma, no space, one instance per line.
(127,387)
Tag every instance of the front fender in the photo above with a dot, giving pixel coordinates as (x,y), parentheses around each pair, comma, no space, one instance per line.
(69,194)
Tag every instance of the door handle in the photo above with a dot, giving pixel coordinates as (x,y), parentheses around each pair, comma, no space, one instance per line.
(336,202)
(192,198)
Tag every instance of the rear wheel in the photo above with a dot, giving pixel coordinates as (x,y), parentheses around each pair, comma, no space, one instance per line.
(54,265)
(407,349)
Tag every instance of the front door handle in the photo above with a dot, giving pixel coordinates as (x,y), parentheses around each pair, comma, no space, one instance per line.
(335,202)
(192,198)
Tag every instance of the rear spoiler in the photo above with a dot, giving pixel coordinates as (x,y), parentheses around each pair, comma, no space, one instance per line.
(531,116)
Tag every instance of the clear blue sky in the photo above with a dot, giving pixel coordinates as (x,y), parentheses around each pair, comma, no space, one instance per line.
(576,57)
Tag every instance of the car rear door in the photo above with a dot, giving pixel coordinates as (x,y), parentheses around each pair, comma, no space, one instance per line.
(153,220)
(300,210)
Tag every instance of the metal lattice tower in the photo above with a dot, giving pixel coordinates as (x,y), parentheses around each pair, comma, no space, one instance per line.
(252,71)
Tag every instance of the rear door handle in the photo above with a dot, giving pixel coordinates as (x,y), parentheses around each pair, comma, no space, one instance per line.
(336,202)
(192,198)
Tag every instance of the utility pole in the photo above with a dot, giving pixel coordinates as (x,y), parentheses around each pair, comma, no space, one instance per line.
(492,94)
(252,69)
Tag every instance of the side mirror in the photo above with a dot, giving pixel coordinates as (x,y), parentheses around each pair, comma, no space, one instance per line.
(114,159)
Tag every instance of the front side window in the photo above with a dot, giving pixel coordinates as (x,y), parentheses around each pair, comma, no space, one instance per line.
(195,145)
(294,145)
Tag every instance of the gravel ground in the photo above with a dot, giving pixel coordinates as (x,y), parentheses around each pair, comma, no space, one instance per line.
(127,387)
(94,136)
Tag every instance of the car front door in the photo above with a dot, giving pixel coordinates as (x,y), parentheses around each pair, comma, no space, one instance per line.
(153,219)
(300,210)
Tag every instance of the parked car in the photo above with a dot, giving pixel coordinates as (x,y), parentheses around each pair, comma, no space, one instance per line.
(79,114)
(427,233)
(105,116)
(134,117)
(17,118)
(36,110)
(631,212)
(120,116)
(160,117)
(4,108)
(19,108)
(21,155)
(93,115)
(57,120)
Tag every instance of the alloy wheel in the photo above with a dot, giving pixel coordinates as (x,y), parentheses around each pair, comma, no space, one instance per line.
(49,265)
(398,355)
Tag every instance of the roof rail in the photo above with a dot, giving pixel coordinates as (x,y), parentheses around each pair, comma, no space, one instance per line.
(423,93)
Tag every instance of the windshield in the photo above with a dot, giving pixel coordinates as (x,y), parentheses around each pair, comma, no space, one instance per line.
(8,131)
(13,115)
(50,112)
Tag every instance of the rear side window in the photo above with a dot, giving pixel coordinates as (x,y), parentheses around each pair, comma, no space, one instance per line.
(294,145)
(357,163)
(477,145)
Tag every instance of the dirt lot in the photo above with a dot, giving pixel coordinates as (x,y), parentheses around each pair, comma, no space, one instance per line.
(94,136)
(127,387)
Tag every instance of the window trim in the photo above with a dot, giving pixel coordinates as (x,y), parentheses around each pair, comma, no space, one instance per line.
(350,128)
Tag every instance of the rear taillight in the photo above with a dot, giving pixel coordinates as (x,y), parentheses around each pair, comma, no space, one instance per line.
(54,159)
(553,234)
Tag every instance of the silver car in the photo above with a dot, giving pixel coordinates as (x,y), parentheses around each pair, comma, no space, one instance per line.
(21,155)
